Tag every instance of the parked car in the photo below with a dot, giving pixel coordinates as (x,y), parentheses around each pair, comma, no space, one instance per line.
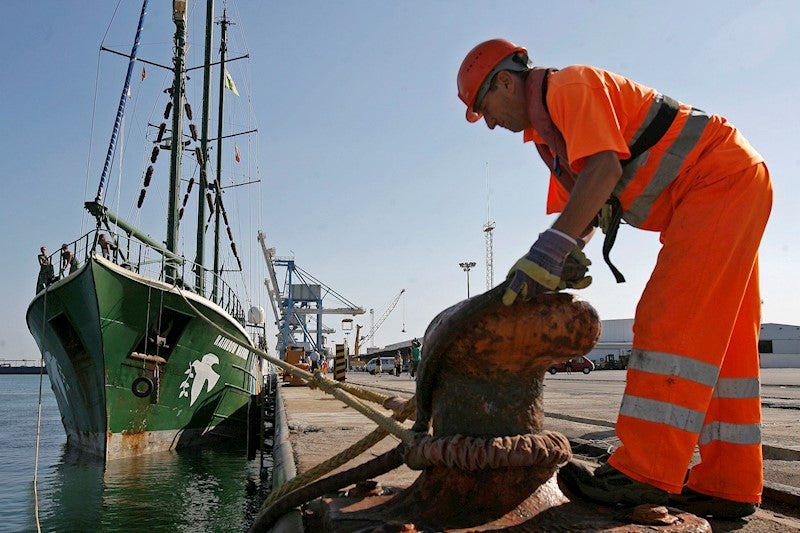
(387,365)
(578,364)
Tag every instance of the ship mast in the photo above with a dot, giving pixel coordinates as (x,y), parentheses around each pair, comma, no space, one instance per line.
(201,196)
(223,48)
(176,144)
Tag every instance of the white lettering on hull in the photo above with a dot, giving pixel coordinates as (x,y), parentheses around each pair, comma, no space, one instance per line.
(231,347)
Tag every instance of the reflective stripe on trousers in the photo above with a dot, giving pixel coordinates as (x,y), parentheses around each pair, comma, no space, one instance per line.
(693,375)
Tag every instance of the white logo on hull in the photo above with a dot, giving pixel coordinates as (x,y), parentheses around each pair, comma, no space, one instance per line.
(199,374)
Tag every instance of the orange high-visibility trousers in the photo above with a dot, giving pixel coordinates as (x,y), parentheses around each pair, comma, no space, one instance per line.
(693,374)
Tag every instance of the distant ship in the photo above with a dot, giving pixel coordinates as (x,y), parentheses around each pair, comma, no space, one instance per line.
(21,366)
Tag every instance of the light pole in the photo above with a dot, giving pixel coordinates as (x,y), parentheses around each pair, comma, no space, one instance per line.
(466,266)
(347,327)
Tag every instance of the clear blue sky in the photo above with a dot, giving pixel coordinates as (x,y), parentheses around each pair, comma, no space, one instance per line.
(371,177)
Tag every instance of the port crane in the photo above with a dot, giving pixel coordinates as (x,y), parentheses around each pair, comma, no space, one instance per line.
(361,340)
(296,299)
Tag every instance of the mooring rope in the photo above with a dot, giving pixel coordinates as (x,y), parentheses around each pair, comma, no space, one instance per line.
(337,460)
(364,394)
(147,324)
(39,419)
(546,450)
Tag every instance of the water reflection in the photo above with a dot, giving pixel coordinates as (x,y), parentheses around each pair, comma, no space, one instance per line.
(203,490)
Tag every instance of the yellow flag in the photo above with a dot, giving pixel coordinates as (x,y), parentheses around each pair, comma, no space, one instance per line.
(229,83)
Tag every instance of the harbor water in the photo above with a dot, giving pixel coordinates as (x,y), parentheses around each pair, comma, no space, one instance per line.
(204,490)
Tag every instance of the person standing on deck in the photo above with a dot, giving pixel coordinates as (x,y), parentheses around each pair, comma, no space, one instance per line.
(618,149)
(45,270)
(68,260)
(106,246)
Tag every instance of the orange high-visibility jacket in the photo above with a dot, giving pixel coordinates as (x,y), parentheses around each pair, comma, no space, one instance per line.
(596,110)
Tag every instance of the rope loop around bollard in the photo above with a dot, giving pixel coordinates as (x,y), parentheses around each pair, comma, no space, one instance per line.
(547,449)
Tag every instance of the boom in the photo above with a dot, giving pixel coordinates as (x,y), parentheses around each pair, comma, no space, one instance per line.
(383,317)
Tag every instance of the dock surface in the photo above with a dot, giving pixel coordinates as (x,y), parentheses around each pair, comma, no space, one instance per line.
(582,407)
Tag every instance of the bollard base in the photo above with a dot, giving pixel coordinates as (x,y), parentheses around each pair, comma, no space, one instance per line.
(548,509)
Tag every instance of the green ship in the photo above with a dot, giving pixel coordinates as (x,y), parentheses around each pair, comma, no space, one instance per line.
(145,350)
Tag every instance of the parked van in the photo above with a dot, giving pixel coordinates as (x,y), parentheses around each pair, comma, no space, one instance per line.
(578,364)
(387,365)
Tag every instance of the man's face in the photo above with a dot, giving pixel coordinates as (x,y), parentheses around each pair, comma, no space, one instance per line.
(504,104)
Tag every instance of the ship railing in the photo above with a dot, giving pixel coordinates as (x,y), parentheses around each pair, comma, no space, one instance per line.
(249,376)
(154,263)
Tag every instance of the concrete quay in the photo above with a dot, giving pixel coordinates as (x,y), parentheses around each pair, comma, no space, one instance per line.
(312,427)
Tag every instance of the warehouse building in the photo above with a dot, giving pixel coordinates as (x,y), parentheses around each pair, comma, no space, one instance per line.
(779,345)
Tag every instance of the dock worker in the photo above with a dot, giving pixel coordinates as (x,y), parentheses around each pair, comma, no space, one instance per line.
(314,358)
(416,356)
(617,149)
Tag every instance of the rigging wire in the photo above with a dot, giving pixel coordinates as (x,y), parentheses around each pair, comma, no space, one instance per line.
(127,123)
(85,216)
(121,107)
(253,146)
(252,287)
(94,113)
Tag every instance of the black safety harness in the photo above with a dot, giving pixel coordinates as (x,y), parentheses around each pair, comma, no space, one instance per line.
(650,136)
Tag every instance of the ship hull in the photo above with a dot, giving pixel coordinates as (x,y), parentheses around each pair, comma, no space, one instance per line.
(135,366)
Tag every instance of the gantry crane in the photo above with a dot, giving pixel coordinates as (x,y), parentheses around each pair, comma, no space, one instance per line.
(300,296)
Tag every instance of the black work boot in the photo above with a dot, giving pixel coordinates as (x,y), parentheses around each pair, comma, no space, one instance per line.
(605,484)
(704,505)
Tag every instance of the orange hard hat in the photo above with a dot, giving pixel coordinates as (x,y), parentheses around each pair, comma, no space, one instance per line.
(480,66)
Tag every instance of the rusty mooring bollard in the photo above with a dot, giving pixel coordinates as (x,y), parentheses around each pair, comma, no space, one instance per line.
(480,392)
(486,461)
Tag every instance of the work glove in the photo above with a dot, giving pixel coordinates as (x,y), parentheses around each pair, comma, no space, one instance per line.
(573,274)
(540,269)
